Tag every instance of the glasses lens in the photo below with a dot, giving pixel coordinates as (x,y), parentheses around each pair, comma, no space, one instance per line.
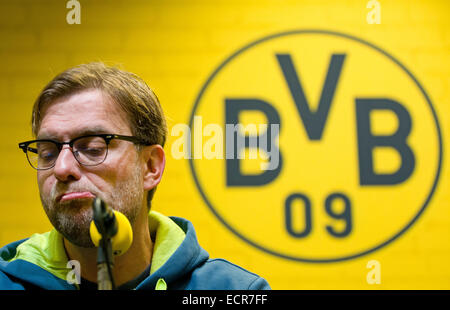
(90,151)
(42,155)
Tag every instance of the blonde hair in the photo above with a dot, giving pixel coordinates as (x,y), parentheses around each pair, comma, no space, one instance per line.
(130,92)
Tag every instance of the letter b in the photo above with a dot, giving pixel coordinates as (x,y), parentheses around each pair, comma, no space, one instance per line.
(367,142)
(235,142)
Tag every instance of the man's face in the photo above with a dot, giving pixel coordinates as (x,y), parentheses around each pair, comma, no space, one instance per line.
(67,190)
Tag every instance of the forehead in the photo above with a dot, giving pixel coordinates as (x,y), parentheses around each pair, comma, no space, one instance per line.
(89,111)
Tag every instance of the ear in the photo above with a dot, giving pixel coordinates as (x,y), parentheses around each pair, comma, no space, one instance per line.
(154,162)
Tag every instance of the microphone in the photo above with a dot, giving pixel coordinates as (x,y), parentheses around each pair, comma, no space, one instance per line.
(110,224)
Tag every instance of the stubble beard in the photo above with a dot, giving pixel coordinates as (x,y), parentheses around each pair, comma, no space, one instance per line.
(73,218)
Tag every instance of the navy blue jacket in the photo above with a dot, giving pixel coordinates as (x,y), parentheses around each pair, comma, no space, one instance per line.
(178,262)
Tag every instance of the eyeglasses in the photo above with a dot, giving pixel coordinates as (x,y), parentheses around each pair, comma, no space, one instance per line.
(89,150)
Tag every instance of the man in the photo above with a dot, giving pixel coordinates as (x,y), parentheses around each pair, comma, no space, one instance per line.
(100,132)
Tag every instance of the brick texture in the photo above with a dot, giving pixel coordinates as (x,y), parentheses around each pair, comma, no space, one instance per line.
(174,45)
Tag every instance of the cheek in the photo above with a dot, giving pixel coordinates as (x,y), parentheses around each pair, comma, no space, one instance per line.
(44,181)
(110,176)
(120,167)
(117,174)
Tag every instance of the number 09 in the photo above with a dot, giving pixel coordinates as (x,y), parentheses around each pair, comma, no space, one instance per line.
(344,215)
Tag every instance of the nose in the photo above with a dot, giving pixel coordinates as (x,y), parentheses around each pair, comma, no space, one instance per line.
(66,166)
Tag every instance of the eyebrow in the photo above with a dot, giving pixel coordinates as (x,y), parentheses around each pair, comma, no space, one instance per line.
(83,132)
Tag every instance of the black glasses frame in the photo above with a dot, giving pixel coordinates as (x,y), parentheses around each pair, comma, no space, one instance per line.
(106,137)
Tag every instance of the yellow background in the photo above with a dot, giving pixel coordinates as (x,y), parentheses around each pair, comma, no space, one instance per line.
(175,46)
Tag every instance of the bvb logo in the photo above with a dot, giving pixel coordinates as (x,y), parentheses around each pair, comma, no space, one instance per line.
(359,146)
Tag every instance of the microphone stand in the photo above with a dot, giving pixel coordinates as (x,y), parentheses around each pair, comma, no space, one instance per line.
(104,265)
(107,227)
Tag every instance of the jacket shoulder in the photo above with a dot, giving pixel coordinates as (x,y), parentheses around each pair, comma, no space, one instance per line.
(220,274)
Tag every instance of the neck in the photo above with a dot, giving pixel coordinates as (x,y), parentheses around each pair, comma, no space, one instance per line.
(126,266)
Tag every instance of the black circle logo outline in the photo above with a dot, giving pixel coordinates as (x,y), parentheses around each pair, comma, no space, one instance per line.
(353,38)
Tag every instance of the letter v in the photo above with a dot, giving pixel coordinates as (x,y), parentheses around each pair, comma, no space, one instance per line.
(314,122)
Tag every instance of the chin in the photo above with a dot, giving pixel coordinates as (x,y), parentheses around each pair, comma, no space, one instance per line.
(72,219)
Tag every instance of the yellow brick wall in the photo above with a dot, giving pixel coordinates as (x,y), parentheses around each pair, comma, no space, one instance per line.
(175,45)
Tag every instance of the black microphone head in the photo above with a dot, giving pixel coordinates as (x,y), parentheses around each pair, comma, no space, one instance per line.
(104,218)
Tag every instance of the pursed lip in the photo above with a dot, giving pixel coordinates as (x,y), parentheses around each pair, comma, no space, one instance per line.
(74,195)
